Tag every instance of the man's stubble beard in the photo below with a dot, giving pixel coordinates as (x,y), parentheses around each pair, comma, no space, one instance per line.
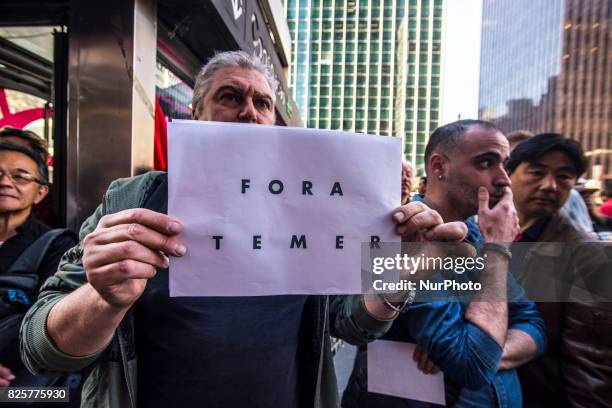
(462,194)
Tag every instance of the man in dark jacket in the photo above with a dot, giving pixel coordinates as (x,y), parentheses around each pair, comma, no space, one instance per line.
(566,274)
(23,183)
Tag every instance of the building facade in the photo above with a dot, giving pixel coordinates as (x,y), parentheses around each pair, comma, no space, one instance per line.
(546,66)
(369,66)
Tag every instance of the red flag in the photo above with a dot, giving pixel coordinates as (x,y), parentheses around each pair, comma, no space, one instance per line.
(161,139)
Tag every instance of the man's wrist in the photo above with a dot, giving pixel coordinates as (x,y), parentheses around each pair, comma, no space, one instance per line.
(377,309)
(493,247)
(104,306)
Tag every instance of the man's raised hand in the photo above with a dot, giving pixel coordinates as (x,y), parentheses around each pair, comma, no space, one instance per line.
(499,224)
(125,249)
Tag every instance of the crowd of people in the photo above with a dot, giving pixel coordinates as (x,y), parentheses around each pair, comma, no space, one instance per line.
(98,305)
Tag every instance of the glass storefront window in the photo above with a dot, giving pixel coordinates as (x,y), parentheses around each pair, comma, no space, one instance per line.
(19,108)
(173,94)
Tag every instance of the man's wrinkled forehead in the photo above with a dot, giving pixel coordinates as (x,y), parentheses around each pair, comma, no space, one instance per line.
(241,78)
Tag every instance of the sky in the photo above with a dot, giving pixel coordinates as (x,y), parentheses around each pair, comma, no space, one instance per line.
(461,60)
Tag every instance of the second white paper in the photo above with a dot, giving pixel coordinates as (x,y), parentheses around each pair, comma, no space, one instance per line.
(392,371)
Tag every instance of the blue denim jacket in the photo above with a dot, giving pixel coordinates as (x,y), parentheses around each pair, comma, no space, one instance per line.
(466,354)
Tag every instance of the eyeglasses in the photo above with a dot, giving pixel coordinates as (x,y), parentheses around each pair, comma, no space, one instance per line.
(21,178)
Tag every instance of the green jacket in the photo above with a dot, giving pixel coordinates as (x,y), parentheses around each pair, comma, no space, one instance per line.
(112,381)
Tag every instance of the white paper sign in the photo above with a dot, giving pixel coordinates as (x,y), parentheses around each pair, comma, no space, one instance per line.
(392,371)
(271,210)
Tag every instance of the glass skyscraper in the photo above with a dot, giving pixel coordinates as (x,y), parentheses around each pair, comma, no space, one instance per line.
(546,67)
(369,66)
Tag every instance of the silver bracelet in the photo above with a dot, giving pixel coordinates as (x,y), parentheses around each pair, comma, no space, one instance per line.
(398,306)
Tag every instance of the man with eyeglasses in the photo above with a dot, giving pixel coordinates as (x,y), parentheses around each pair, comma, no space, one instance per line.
(43,211)
(566,273)
(23,184)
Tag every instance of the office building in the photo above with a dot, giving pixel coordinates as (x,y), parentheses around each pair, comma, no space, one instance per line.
(546,67)
(368,66)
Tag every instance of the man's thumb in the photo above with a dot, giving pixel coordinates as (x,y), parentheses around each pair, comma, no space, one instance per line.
(483,199)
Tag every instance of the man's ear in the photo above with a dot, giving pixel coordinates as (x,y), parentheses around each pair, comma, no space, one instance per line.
(194,110)
(438,165)
(41,194)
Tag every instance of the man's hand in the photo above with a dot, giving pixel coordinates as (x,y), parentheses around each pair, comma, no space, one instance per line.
(6,376)
(499,224)
(119,256)
(125,249)
(417,222)
(423,362)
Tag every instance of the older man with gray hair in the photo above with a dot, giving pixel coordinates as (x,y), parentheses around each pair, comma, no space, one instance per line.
(407,179)
(109,302)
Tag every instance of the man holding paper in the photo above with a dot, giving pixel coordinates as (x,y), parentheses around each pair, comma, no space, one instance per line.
(109,302)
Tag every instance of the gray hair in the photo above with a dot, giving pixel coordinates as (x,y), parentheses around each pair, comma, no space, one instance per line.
(41,166)
(223,59)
